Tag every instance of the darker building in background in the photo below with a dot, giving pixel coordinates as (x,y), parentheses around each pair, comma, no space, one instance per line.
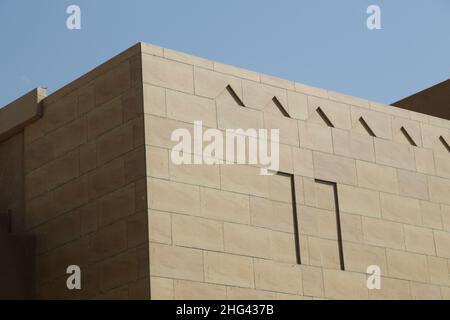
(434,101)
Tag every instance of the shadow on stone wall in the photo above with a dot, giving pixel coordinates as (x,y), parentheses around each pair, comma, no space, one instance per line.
(17,266)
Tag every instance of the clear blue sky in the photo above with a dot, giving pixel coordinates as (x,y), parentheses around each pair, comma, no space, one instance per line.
(317,42)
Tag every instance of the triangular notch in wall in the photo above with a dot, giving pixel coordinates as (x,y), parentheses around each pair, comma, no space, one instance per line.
(446,145)
(234,95)
(366,127)
(408,137)
(280,107)
(324,117)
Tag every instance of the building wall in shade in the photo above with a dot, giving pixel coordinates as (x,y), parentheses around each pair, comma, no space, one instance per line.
(360,184)
(434,101)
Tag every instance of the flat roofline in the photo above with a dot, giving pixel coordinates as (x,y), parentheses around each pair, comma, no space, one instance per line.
(21,112)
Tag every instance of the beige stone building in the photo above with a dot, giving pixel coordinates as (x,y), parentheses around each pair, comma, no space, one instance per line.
(86,179)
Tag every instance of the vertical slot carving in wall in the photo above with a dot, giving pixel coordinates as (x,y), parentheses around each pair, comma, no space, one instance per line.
(338,220)
(294,214)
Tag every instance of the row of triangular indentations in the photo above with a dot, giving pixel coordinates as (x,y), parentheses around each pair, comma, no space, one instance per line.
(229,89)
(327,120)
(371,133)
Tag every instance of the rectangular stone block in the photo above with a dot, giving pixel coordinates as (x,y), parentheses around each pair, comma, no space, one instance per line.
(431,215)
(104,118)
(108,241)
(317,222)
(187,58)
(422,291)
(280,277)
(115,143)
(380,123)
(383,233)
(223,205)
(247,240)
(235,293)
(287,127)
(168,74)
(237,117)
(198,174)
(38,153)
(442,240)
(319,195)
(161,289)
(134,165)
(409,266)
(158,131)
(353,145)
(176,262)
(394,154)
(244,179)
(174,197)
(63,229)
(400,209)
(419,240)
(190,290)
(298,105)
(68,137)
(154,100)
(323,253)
(445,216)
(392,289)
(282,247)
(119,270)
(315,137)
(112,83)
(259,96)
(106,179)
(272,214)
(159,227)
(211,84)
(88,157)
(439,190)
(412,184)
(318,92)
(60,112)
(197,233)
(132,103)
(312,281)
(337,113)
(190,108)
(439,271)
(360,201)
(351,228)
(63,170)
(117,205)
(344,285)
(229,269)
(70,195)
(236,71)
(303,162)
(334,168)
(157,162)
(424,161)
(377,177)
(359,257)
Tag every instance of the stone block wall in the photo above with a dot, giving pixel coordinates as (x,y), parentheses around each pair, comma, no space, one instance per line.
(85,189)
(226,232)
(359,184)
